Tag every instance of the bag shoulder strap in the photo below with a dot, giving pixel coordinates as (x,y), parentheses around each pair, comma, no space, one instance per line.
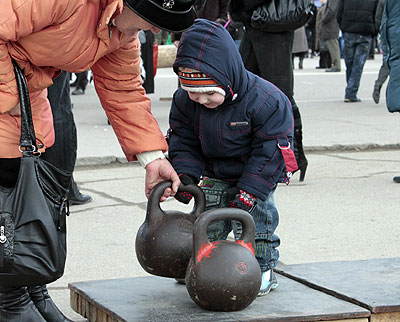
(28,138)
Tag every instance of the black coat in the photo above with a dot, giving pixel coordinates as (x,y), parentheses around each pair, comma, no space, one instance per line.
(266,54)
(214,10)
(358,17)
(330,26)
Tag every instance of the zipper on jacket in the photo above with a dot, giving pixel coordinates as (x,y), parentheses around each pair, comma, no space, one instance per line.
(3,240)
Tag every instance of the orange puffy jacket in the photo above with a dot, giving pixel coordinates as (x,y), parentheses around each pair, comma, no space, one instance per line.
(45,37)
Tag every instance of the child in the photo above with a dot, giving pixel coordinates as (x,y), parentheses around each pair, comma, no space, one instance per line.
(233,130)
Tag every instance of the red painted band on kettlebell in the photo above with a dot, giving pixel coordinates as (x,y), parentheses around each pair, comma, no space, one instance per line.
(249,246)
(205,250)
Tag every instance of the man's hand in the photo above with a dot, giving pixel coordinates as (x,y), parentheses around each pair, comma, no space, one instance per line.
(161,170)
(15,111)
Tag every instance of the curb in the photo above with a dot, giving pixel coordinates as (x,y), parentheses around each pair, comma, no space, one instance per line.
(113,160)
(352,147)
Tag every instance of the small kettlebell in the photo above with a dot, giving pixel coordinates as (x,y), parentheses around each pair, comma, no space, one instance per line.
(164,241)
(223,275)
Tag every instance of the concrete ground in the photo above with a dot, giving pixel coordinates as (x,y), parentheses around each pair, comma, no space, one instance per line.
(344,210)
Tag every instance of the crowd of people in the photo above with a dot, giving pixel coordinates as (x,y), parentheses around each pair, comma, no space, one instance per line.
(240,156)
(338,31)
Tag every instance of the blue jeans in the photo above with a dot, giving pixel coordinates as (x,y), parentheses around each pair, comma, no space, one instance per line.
(265,214)
(356,51)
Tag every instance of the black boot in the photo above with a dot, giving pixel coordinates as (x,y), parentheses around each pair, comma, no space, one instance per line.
(301,58)
(17,306)
(376,93)
(45,304)
(298,141)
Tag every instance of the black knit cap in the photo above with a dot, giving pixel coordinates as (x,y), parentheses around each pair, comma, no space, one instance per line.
(170,15)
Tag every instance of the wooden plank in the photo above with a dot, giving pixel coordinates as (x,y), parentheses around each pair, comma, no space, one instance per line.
(373,284)
(161,299)
(352,320)
(385,317)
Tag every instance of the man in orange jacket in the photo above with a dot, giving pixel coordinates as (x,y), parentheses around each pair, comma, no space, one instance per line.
(45,37)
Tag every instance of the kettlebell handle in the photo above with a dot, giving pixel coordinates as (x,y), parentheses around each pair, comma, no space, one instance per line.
(200,238)
(154,212)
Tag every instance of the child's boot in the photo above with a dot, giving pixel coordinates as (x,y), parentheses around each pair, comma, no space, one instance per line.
(268,282)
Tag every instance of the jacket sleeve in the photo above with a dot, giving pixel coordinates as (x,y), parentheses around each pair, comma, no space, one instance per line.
(119,87)
(265,167)
(330,11)
(383,30)
(19,19)
(378,15)
(185,151)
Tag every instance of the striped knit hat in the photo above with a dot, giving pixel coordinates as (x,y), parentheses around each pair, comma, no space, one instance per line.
(194,81)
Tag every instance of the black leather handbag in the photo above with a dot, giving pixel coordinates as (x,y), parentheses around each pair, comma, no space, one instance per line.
(33,213)
(282,15)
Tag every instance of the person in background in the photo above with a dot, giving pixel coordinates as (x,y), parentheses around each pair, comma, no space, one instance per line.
(214,10)
(358,31)
(64,150)
(330,34)
(390,32)
(235,29)
(269,55)
(80,83)
(146,52)
(46,37)
(233,130)
(384,70)
(325,61)
(300,46)
(310,32)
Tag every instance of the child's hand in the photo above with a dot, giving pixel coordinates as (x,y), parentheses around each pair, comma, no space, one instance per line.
(243,200)
(182,196)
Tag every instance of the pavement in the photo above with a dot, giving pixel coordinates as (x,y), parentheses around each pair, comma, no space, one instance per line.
(346,209)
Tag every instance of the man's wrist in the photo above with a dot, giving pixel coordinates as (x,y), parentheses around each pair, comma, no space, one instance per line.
(146,157)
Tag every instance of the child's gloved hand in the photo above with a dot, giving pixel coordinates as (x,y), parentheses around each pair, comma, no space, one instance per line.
(183,196)
(243,200)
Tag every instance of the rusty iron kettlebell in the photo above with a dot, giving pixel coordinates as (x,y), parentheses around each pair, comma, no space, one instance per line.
(164,241)
(223,275)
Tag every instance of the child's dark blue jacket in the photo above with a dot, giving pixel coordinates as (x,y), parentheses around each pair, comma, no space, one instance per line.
(237,141)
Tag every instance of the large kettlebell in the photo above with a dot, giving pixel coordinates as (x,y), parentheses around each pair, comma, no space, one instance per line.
(164,241)
(223,275)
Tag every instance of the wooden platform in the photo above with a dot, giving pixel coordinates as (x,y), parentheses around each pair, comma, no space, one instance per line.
(163,300)
(355,291)
(372,284)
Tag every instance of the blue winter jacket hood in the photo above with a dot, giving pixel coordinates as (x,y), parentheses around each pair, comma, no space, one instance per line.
(239,140)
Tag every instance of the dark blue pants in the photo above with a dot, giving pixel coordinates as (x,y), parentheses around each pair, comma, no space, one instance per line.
(64,151)
(356,50)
